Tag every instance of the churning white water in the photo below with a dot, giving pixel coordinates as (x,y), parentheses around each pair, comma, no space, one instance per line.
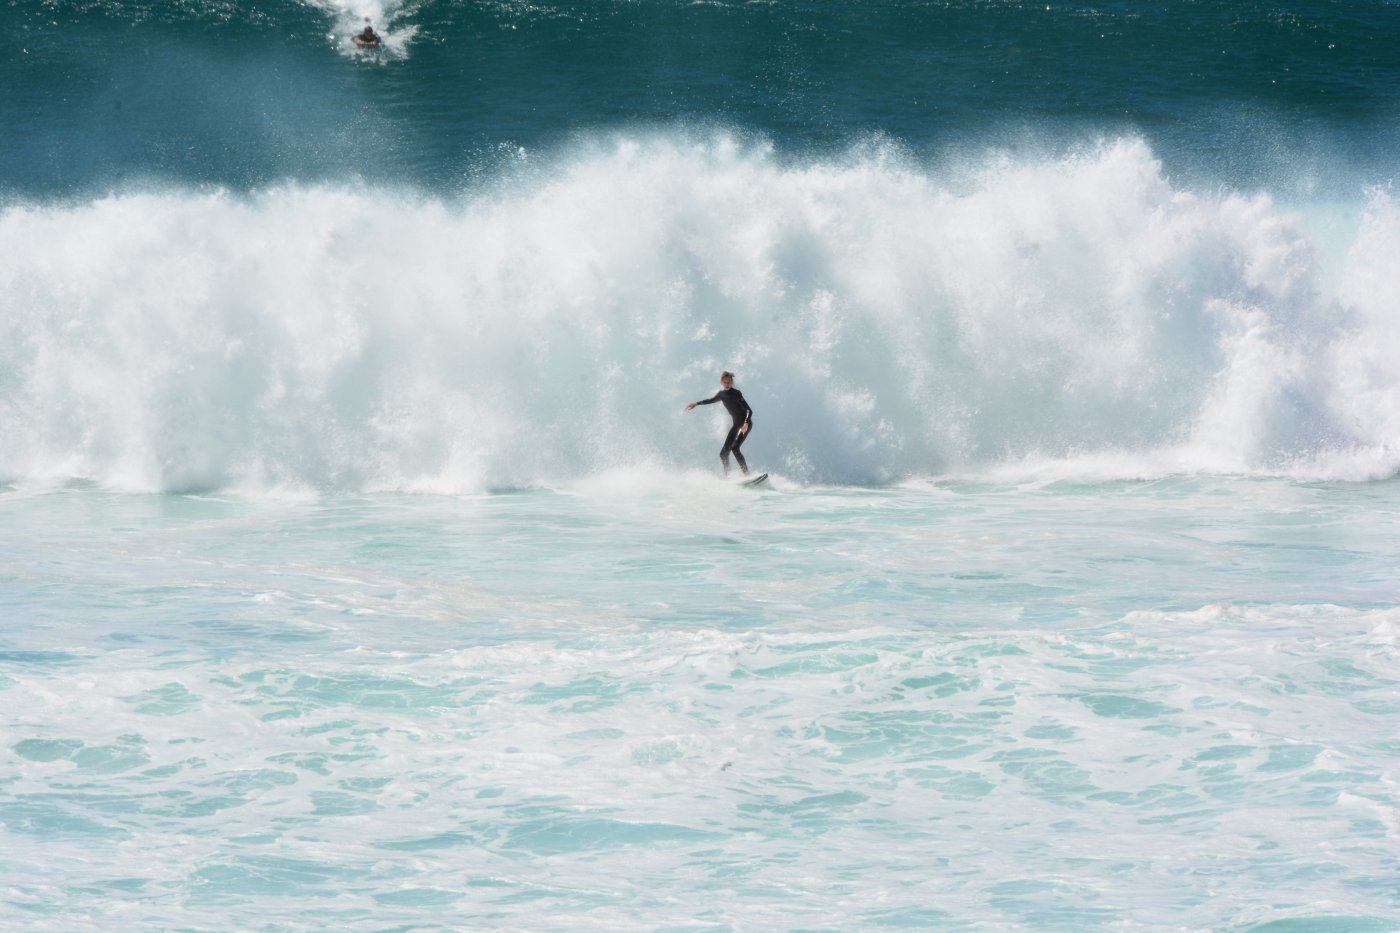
(886,319)
(633,705)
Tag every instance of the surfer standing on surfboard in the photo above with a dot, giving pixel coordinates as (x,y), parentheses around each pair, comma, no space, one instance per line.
(742,414)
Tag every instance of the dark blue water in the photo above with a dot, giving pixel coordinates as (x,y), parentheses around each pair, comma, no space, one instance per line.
(1292,96)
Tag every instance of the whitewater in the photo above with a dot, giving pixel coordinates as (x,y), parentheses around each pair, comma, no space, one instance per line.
(643,703)
(890,320)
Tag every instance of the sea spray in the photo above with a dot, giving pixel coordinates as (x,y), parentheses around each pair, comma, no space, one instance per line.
(350,17)
(886,317)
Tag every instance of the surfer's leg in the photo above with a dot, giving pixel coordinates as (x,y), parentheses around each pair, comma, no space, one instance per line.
(731,444)
(738,442)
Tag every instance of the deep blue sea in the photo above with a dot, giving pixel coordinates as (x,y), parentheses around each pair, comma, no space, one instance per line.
(361,569)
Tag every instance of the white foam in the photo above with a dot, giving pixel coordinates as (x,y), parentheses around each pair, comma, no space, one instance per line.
(350,17)
(1076,315)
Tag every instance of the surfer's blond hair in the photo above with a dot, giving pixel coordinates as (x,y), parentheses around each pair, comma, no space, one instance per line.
(726,375)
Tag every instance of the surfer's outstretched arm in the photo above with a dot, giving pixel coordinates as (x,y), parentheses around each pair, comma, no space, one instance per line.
(707,401)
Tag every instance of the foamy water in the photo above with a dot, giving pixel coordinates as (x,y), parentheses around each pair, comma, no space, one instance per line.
(348,18)
(1077,315)
(638,705)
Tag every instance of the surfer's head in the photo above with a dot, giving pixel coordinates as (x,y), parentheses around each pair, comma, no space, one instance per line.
(726,379)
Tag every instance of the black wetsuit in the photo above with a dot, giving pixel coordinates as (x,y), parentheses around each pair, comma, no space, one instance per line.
(739,410)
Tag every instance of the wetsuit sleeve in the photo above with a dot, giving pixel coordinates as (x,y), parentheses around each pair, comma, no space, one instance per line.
(708,401)
(748,412)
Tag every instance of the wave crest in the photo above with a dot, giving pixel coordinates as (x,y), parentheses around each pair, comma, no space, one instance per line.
(886,319)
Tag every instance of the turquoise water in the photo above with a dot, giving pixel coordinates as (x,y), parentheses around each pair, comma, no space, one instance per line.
(637,704)
(360,568)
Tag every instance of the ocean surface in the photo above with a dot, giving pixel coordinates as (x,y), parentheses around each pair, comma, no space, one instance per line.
(360,569)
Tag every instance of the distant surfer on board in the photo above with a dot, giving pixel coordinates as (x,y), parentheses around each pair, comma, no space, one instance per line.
(369,39)
(742,414)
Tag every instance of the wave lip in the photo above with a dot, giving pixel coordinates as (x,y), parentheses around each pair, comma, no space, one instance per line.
(887,319)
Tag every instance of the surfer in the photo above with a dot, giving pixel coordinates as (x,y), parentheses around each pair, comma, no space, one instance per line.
(369,38)
(742,414)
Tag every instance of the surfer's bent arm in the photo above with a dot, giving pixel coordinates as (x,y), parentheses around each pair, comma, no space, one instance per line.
(738,397)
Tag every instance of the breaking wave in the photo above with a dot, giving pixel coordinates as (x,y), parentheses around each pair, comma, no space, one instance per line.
(887,318)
